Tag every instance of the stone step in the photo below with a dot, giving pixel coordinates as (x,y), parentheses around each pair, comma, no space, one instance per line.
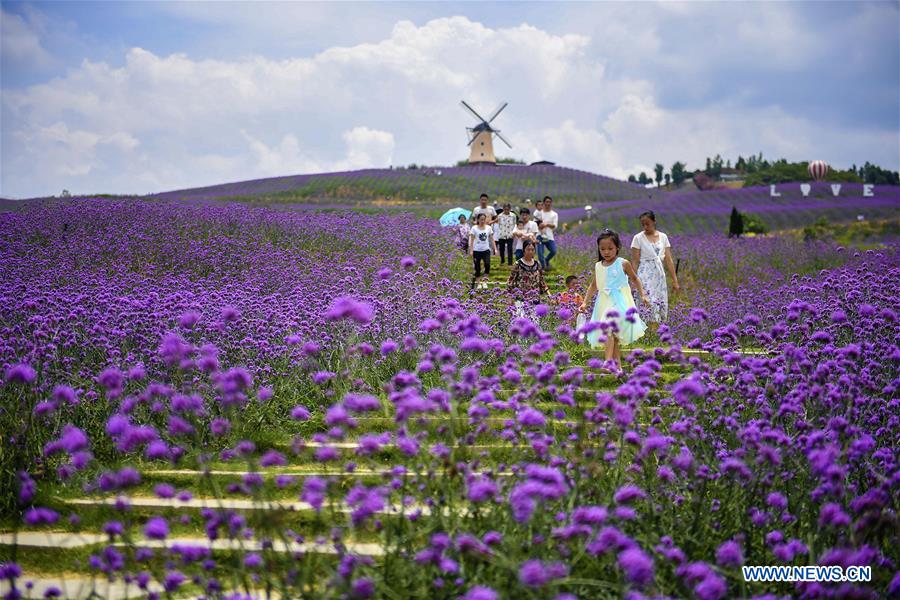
(68,540)
(45,539)
(154,503)
(76,588)
(298,473)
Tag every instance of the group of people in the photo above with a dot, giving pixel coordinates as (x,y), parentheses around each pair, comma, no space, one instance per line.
(507,233)
(613,319)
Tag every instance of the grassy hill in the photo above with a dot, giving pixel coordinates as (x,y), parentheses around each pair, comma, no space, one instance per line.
(432,185)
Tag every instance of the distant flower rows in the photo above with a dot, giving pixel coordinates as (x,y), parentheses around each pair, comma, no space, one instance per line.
(508,182)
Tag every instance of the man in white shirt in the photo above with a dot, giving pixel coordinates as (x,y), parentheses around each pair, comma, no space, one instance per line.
(506,224)
(548,223)
(484,208)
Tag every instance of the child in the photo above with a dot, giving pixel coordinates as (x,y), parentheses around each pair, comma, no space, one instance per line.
(481,242)
(519,235)
(528,231)
(572,300)
(611,277)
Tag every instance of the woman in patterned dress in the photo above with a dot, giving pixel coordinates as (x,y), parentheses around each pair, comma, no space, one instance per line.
(526,282)
(650,249)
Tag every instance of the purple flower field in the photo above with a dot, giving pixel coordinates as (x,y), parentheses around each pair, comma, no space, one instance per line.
(698,213)
(225,401)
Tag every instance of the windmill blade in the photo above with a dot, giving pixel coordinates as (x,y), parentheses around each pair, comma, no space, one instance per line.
(497,111)
(471,110)
(497,133)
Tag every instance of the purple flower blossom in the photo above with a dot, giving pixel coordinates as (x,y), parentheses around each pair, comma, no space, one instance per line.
(313,493)
(629,493)
(638,567)
(535,573)
(481,490)
(272,458)
(345,307)
(480,592)
(156,528)
(40,516)
(833,515)
(299,413)
(20,373)
(361,402)
(729,554)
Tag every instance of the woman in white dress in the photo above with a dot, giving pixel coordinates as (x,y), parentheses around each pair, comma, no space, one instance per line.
(650,249)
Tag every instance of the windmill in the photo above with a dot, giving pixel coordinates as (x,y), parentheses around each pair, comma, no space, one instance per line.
(480,139)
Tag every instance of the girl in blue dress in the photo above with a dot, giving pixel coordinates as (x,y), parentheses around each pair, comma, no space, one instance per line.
(615,304)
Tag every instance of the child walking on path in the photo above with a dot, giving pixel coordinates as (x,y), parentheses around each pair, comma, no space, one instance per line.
(615,303)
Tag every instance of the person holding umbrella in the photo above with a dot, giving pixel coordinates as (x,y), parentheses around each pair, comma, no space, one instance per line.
(462,233)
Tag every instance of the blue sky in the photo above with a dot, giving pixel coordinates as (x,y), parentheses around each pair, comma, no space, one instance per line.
(137,97)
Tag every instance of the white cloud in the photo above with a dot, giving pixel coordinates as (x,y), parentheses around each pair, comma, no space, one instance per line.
(365,148)
(74,152)
(164,122)
(20,42)
(368,147)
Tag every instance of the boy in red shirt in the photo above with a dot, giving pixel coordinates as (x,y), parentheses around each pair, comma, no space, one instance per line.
(570,298)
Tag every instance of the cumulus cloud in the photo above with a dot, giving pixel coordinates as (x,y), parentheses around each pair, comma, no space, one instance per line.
(365,148)
(20,43)
(157,122)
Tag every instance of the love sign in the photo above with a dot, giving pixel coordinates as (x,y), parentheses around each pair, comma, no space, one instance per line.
(868,190)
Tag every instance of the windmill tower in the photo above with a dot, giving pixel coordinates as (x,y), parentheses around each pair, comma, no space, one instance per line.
(481,142)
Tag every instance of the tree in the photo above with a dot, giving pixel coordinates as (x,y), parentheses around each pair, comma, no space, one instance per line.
(667,178)
(708,169)
(679,173)
(874,174)
(716,167)
(632,179)
(643,179)
(735,223)
(658,169)
(741,164)
(753,224)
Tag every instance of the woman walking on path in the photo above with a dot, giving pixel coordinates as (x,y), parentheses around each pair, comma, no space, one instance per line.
(506,224)
(481,242)
(649,250)
(615,304)
(526,282)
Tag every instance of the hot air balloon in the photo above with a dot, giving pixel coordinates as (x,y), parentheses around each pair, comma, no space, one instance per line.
(818,169)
